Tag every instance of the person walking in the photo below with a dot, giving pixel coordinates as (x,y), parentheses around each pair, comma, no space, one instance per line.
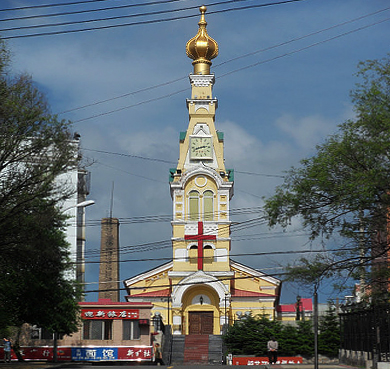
(7,350)
(272,348)
(158,355)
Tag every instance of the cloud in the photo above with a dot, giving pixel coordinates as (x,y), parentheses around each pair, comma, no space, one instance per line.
(306,132)
(273,114)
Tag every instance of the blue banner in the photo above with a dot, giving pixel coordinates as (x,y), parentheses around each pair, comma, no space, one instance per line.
(94,353)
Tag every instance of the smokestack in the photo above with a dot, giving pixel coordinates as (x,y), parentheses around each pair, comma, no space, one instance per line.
(109,260)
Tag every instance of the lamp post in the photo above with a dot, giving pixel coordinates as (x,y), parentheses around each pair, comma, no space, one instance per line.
(298,316)
(315,324)
(76,237)
(225,308)
(80,245)
(80,241)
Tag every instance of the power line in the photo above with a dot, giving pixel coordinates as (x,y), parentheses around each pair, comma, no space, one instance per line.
(132,174)
(87,11)
(131,156)
(304,48)
(122,280)
(132,106)
(50,5)
(230,278)
(146,21)
(169,162)
(271,253)
(227,61)
(168,243)
(159,12)
(239,69)
(186,283)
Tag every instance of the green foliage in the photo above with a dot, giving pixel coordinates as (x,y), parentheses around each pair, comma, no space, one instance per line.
(344,188)
(249,336)
(329,333)
(34,150)
(306,338)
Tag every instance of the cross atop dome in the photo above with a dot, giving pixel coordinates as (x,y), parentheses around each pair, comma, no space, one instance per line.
(202,48)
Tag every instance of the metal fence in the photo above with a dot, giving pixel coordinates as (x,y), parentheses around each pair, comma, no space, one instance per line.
(366,329)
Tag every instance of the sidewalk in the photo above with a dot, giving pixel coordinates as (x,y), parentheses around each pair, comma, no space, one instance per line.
(39,365)
(69,364)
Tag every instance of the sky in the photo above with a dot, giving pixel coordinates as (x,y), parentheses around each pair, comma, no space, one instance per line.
(284,74)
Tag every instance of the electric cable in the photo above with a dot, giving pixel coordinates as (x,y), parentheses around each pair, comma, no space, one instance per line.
(228,61)
(90,11)
(236,70)
(146,21)
(171,162)
(50,5)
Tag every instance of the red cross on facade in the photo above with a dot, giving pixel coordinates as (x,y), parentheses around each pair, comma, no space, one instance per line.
(200,237)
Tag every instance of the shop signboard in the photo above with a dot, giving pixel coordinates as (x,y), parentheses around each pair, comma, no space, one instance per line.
(89,353)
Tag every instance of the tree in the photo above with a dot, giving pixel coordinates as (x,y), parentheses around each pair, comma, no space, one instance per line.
(35,149)
(249,336)
(306,338)
(344,188)
(329,337)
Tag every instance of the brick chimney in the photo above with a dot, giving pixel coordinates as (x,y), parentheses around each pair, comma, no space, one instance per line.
(109,260)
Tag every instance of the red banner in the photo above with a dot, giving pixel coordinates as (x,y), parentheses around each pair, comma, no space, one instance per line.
(89,353)
(135,353)
(265,361)
(109,314)
(41,353)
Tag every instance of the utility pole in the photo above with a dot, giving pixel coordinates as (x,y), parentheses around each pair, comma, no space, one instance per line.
(315,311)
(298,311)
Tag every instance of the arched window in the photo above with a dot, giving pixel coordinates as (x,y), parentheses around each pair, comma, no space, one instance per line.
(208,208)
(193,205)
(208,254)
(193,254)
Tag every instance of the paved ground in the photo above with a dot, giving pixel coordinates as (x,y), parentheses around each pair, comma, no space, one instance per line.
(73,365)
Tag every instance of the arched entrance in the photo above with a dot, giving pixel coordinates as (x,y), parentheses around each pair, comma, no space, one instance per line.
(201,313)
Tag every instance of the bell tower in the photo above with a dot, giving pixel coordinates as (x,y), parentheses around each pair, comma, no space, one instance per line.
(201,186)
(202,289)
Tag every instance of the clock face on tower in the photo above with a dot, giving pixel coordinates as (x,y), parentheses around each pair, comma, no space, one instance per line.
(201,148)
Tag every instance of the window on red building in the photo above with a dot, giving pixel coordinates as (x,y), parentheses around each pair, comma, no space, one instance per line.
(97,329)
(130,329)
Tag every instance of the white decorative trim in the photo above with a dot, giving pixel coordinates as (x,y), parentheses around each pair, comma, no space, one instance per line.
(176,319)
(202,169)
(150,273)
(181,255)
(202,103)
(187,274)
(197,180)
(173,274)
(191,229)
(200,277)
(201,129)
(202,80)
(254,272)
(221,255)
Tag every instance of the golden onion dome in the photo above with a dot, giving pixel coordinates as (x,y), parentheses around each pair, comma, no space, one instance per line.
(202,48)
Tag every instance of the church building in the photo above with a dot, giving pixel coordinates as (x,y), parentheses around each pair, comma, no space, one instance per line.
(202,289)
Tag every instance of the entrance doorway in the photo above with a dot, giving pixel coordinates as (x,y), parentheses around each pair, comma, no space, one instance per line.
(201,322)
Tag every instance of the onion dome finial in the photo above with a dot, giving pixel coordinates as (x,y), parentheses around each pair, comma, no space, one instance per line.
(202,48)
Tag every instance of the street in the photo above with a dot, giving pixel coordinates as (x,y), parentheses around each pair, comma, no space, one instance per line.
(74,365)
